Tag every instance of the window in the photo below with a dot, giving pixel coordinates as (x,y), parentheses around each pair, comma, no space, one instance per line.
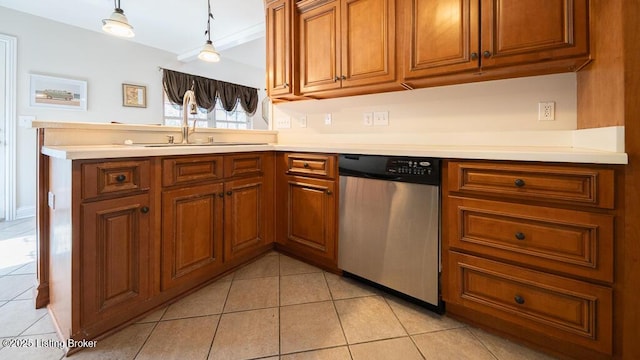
(218,118)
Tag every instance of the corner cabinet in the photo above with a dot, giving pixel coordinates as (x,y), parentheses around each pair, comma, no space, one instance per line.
(497,37)
(528,250)
(307,207)
(346,43)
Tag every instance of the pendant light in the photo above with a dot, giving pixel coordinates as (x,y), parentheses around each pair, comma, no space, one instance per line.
(208,52)
(117,23)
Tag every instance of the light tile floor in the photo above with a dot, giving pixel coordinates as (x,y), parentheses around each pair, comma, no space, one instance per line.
(273,308)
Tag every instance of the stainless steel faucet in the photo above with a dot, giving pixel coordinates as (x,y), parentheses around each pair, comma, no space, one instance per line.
(189,100)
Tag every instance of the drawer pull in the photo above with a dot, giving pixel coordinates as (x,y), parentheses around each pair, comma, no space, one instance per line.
(520,236)
(519,182)
(221,195)
(144,209)
(519,299)
(329,192)
(306,165)
(121,178)
(229,193)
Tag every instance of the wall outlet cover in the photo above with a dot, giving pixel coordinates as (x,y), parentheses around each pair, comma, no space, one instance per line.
(284,122)
(327,119)
(381,118)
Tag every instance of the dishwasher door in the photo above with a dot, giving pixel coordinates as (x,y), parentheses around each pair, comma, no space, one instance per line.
(389,234)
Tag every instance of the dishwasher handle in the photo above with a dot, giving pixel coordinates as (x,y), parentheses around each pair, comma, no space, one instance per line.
(361,174)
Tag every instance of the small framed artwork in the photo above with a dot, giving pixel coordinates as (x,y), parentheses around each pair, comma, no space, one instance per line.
(134,95)
(57,93)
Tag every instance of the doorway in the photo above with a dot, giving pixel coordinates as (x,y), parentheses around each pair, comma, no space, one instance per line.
(8,59)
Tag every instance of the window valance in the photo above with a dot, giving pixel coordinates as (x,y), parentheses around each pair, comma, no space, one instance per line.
(175,84)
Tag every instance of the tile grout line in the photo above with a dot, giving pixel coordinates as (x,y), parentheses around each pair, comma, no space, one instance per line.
(483,344)
(279,306)
(335,309)
(404,327)
(215,332)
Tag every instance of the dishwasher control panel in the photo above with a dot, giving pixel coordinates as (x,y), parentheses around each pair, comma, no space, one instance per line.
(419,170)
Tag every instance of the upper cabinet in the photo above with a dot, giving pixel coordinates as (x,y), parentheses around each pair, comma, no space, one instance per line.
(346,43)
(280,55)
(332,48)
(493,38)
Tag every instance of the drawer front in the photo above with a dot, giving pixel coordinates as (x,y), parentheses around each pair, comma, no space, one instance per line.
(311,164)
(566,309)
(243,164)
(191,169)
(572,242)
(114,178)
(560,184)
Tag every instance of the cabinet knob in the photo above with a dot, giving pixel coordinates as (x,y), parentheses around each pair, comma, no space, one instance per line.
(520,235)
(343,77)
(306,165)
(519,299)
(229,192)
(120,178)
(474,56)
(519,183)
(144,209)
(286,85)
(336,79)
(221,195)
(486,54)
(329,192)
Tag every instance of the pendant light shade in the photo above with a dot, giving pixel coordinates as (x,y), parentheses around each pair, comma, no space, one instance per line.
(208,52)
(117,24)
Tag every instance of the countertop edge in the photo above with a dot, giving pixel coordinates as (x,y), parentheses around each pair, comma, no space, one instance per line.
(544,154)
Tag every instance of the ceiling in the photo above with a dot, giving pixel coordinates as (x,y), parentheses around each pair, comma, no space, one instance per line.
(176,26)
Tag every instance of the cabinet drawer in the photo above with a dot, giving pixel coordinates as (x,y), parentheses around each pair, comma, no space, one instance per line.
(560,184)
(114,177)
(243,164)
(311,164)
(191,169)
(569,310)
(572,242)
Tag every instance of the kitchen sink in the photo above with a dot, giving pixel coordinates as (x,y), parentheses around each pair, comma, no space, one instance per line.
(195,144)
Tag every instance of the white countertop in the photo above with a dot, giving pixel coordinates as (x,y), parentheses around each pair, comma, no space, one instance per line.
(542,153)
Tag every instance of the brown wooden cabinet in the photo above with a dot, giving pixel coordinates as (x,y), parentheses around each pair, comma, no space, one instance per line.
(307,207)
(113,230)
(281,60)
(208,221)
(346,43)
(485,37)
(528,250)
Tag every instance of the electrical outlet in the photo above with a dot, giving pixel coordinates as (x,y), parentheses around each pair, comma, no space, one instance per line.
(327,119)
(284,122)
(547,111)
(381,118)
(302,121)
(367,119)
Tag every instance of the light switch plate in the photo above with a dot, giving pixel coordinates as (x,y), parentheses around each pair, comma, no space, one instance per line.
(367,119)
(381,118)
(302,121)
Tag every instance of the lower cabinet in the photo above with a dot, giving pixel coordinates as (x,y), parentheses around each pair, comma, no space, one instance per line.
(307,208)
(114,265)
(192,234)
(245,213)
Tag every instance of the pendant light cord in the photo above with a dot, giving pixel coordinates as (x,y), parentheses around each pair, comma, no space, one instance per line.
(209,17)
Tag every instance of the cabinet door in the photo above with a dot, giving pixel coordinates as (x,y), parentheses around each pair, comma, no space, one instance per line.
(192,220)
(319,48)
(245,216)
(311,213)
(528,31)
(114,260)
(441,37)
(368,42)
(279,55)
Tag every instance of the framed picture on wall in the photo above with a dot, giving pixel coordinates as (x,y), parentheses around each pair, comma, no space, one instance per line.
(57,93)
(134,95)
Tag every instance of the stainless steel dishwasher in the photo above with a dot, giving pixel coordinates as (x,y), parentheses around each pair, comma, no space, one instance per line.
(389,223)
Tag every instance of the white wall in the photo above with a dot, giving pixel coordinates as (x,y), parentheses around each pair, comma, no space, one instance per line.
(430,116)
(105,62)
